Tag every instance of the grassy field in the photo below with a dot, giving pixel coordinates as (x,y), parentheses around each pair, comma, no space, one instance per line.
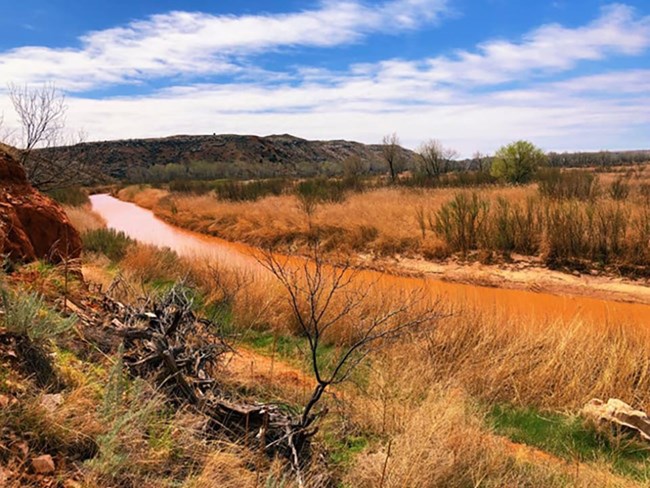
(470,397)
(474,399)
(572,219)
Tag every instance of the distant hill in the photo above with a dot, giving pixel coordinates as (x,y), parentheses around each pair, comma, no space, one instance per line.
(236,155)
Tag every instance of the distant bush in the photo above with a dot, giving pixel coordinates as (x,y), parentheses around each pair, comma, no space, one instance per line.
(564,232)
(565,185)
(517,162)
(109,242)
(240,191)
(620,188)
(73,196)
(460,221)
(197,187)
(456,179)
(153,264)
(324,190)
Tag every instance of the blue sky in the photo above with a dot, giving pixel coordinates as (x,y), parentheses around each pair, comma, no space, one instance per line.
(568,75)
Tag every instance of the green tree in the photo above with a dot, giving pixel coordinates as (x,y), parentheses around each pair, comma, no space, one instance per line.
(517,162)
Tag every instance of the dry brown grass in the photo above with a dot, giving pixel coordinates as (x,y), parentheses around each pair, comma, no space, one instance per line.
(225,469)
(84,219)
(422,393)
(384,220)
(555,365)
(398,221)
(491,353)
(443,442)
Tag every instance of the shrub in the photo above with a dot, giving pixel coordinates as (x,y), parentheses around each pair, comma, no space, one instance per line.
(109,242)
(607,226)
(132,414)
(517,162)
(28,316)
(72,196)
(34,326)
(240,191)
(153,264)
(322,190)
(565,233)
(559,185)
(644,192)
(191,186)
(460,221)
(458,179)
(620,188)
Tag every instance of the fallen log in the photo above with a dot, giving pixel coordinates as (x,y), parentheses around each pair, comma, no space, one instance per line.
(166,343)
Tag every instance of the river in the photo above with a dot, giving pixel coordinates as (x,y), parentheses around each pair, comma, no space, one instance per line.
(142,225)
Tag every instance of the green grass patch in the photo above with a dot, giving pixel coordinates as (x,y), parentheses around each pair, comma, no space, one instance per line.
(295,350)
(569,437)
(342,450)
(289,348)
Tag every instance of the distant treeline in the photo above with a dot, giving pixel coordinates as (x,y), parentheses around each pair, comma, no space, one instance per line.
(205,170)
(568,160)
(601,158)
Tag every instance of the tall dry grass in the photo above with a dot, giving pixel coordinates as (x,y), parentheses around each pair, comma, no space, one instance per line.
(84,219)
(444,442)
(530,360)
(426,395)
(571,223)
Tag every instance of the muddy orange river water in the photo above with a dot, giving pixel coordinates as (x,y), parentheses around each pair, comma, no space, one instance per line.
(142,225)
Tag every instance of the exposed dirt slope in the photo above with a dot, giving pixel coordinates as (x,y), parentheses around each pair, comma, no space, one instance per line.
(32,225)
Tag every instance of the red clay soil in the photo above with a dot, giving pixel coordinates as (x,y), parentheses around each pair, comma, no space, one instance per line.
(32,225)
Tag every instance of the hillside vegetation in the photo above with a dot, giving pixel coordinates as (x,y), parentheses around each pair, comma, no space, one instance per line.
(221,156)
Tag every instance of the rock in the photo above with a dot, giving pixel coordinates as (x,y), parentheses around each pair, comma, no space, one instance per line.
(23,447)
(43,464)
(32,225)
(618,413)
(51,402)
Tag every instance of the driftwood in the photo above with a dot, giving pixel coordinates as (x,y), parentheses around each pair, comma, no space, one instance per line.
(165,342)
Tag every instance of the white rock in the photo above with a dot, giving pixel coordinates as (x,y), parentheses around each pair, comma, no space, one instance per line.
(617,412)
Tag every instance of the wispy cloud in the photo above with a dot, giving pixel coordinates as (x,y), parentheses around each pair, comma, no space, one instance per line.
(465,98)
(550,48)
(195,43)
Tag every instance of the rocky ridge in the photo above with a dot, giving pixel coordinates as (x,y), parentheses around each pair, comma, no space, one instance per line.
(32,225)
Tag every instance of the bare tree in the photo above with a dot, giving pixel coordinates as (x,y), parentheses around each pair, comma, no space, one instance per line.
(6,133)
(435,159)
(41,112)
(325,298)
(308,203)
(392,153)
(482,161)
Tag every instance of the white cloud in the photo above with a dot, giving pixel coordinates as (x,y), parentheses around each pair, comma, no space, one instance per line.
(194,43)
(550,48)
(548,114)
(435,97)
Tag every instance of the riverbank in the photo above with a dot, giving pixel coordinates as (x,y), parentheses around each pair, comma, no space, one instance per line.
(518,272)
